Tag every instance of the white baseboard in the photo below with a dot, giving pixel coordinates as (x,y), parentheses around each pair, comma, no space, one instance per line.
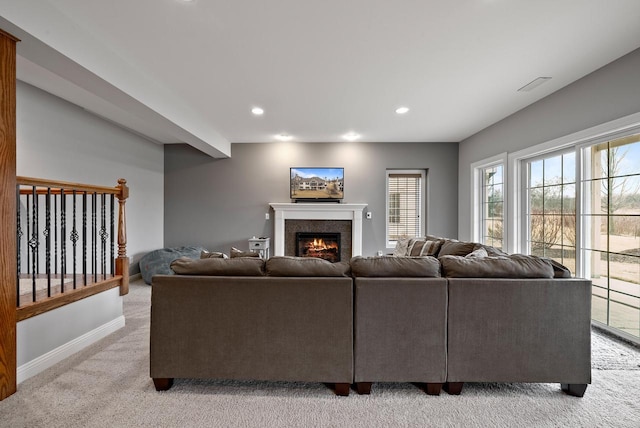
(54,356)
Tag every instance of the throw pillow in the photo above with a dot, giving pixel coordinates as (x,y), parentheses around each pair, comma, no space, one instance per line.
(213,255)
(239,253)
(477,253)
(423,247)
(402,246)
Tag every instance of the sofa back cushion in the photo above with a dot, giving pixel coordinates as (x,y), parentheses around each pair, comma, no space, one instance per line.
(386,266)
(240,266)
(305,266)
(514,266)
(452,247)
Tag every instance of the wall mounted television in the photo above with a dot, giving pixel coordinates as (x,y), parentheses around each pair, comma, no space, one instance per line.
(316,184)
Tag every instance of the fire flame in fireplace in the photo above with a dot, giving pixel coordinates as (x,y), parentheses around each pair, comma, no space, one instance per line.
(318,244)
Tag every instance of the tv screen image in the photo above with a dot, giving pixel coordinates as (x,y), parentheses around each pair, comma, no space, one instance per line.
(317,184)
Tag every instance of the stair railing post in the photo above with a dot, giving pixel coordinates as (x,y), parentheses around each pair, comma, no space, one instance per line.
(122,262)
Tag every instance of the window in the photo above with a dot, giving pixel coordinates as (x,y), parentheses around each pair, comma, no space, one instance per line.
(405,204)
(492,212)
(551,208)
(488,203)
(578,202)
(611,218)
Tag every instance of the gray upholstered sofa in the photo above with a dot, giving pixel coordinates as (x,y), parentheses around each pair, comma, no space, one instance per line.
(471,315)
(246,319)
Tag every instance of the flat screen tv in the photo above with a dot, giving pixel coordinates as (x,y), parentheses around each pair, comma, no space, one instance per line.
(316,184)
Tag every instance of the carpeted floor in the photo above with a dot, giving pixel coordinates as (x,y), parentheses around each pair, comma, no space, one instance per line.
(108,385)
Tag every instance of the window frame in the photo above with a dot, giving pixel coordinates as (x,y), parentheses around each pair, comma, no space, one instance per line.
(422,206)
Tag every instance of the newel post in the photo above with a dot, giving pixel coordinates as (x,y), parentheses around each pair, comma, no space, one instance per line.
(122,262)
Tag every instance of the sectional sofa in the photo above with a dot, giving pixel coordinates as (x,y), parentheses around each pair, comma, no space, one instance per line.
(465,316)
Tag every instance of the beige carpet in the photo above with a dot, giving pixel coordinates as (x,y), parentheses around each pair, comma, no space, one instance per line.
(108,385)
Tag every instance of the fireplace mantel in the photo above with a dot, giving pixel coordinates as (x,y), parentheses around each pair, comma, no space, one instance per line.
(318,211)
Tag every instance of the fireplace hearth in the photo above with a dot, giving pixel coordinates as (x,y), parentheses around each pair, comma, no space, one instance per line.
(318,244)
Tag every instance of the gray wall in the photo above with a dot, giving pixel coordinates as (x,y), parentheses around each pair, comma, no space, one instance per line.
(609,93)
(60,141)
(219,203)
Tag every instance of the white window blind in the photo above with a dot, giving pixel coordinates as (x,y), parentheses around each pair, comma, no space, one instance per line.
(405,204)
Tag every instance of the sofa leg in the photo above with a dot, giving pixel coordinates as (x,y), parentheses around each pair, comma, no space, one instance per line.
(575,389)
(342,389)
(453,388)
(363,388)
(433,388)
(163,383)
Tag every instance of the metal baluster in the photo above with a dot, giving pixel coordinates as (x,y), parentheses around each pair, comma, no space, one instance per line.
(18,240)
(33,243)
(84,237)
(47,235)
(28,234)
(74,239)
(103,235)
(113,260)
(94,237)
(63,238)
(55,235)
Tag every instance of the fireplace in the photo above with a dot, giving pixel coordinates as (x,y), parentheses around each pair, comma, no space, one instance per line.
(300,217)
(318,244)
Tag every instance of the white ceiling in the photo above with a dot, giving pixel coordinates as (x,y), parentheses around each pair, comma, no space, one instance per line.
(190,72)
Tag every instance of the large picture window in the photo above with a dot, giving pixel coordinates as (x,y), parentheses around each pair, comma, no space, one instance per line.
(492,212)
(611,218)
(581,206)
(405,204)
(551,208)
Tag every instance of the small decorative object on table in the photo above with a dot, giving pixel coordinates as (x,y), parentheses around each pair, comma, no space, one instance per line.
(260,245)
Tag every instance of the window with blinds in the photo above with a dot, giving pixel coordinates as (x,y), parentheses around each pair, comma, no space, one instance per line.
(405,204)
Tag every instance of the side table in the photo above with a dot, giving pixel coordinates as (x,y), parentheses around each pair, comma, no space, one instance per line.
(260,245)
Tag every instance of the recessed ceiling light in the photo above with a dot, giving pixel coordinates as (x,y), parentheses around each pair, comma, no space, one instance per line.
(351,136)
(283,137)
(534,84)
(402,110)
(257,111)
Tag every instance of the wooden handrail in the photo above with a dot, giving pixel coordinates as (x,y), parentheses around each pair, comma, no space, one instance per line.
(68,187)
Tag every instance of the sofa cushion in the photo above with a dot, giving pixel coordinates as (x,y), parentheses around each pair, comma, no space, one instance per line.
(514,266)
(559,270)
(240,266)
(451,247)
(305,266)
(157,262)
(389,266)
(239,253)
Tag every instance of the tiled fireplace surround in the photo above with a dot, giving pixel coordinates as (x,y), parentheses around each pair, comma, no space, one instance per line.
(318,217)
